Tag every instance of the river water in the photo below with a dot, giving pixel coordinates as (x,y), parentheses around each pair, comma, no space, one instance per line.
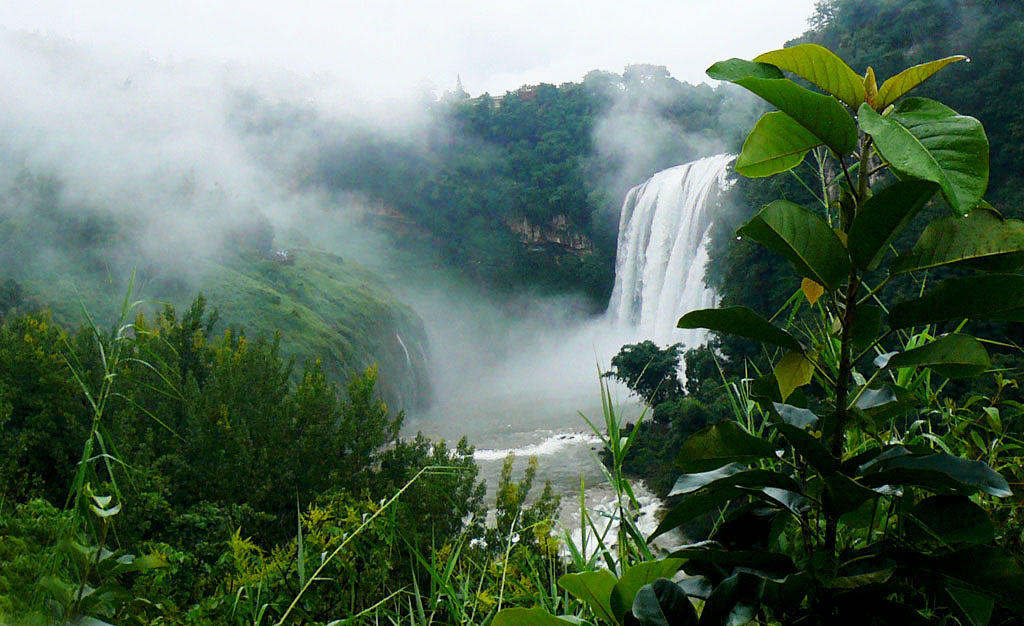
(523,385)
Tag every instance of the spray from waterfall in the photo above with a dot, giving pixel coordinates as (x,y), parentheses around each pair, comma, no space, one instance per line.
(664,231)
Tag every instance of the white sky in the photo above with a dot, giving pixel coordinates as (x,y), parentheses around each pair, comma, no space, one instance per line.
(387,47)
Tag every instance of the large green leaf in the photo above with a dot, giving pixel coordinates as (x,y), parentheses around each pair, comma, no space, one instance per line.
(718,444)
(947,519)
(822,115)
(988,570)
(796,416)
(867,322)
(975,609)
(636,577)
(989,296)
(844,495)
(688,483)
(821,67)
(729,477)
(802,237)
(742,322)
(809,446)
(530,617)
(927,140)
(772,564)
(983,236)
(734,601)
(663,603)
(883,216)
(777,144)
(909,78)
(953,356)
(692,507)
(939,471)
(594,589)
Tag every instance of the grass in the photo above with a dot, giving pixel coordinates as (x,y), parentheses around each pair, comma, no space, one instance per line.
(322,307)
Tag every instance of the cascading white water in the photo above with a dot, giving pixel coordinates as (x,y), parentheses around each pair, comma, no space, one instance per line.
(662,250)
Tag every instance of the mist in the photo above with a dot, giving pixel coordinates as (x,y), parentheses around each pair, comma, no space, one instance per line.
(181,157)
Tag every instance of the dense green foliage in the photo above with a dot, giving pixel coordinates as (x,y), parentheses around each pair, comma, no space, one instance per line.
(201,449)
(523,189)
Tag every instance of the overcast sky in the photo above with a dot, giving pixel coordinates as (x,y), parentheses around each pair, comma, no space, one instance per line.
(387,47)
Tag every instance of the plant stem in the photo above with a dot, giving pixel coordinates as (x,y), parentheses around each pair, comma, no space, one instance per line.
(837,439)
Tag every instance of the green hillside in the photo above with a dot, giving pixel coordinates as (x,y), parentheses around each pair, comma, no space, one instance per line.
(323,306)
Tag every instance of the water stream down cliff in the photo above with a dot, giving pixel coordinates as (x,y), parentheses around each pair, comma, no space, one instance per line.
(664,230)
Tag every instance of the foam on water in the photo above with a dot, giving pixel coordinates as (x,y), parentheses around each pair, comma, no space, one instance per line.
(547,447)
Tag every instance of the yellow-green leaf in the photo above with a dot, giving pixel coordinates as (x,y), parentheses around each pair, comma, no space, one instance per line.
(821,67)
(909,78)
(822,115)
(794,370)
(870,87)
(777,144)
(812,290)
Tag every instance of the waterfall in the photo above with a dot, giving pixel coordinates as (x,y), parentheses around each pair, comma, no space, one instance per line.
(664,230)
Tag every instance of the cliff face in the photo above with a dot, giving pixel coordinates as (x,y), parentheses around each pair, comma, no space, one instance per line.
(554,236)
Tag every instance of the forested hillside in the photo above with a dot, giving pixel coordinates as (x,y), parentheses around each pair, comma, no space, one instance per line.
(523,190)
(75,260)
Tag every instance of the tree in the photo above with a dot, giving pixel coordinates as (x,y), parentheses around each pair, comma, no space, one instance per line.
(839,501)
(650,372)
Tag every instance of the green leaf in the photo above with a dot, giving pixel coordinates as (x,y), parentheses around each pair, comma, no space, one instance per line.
(983,236)
(989,296)
(729,477)
(741,322)
(948,519)
(792,371)
(881,406)
(592,588)
(821,67)
(902,83)
(801,418)
(809,447)
(734,601)
(530,617)
(718,444)
(637,576)
(975,609)
(953,356)
(927,140)
(937,471)
(844,495)
(772,564)
(143,563)
(855,581)
(663,603)
(822,115)
(883,216)
(692,507)
(867,322)
(804,238)
(982,569)
(765,390)
(688,483)
(777,144)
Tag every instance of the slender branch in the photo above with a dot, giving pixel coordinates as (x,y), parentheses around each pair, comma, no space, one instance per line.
(864,388)
(874,345)
(878,287)
(849,180)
